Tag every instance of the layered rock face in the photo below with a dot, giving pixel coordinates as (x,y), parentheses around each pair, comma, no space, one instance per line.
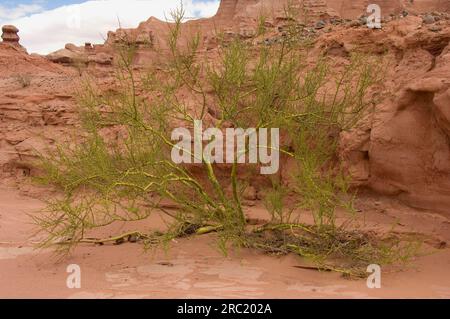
(36,109)
(404,149)
(348,9)
(410,139)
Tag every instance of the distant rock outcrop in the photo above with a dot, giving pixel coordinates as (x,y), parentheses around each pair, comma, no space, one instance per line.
(10,36)
(348,9)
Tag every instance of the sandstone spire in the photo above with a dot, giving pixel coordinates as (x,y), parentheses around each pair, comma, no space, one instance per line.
(10,35)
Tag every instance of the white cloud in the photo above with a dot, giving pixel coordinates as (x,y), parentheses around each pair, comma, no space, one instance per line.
(18,11)
(90,21)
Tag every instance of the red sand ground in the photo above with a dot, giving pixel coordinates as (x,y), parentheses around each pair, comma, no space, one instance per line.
(194,268)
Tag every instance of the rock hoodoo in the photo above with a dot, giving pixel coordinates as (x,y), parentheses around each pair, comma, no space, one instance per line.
(10,35)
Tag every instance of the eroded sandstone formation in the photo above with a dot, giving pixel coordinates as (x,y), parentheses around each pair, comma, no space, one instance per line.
(10,36)
(404,150)
(347,9)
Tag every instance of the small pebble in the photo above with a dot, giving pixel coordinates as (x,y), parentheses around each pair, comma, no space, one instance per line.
(428,19)
(320,24)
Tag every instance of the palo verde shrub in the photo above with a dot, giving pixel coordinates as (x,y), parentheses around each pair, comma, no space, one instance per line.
(105,180)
